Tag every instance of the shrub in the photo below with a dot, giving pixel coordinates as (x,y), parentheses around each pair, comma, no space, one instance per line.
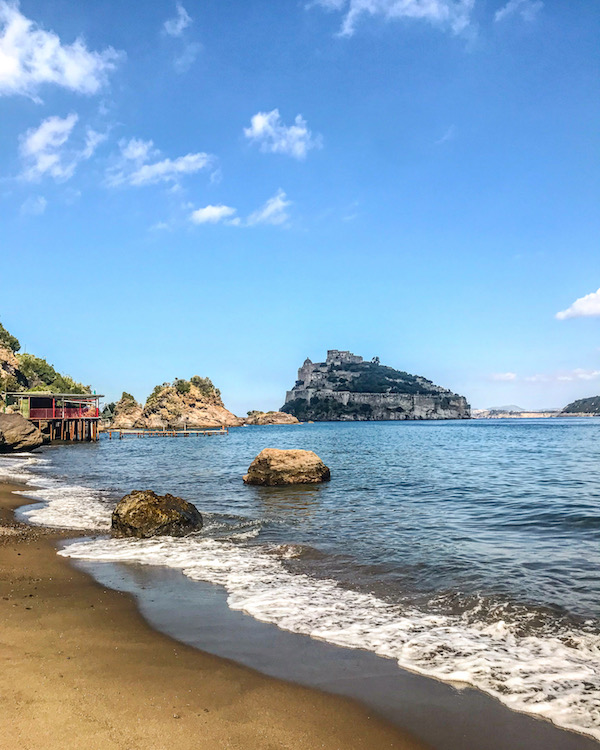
(9,341)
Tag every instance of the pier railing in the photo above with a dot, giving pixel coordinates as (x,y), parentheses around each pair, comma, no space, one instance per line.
(66,413)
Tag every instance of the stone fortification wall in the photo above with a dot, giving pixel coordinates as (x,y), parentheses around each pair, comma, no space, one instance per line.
(378,406)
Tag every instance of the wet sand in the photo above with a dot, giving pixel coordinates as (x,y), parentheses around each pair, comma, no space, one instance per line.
(81,668)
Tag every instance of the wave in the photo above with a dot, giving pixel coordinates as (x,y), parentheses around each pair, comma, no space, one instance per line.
(553,672)
(556,676)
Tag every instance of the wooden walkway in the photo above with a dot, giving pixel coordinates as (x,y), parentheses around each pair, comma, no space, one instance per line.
(120,434)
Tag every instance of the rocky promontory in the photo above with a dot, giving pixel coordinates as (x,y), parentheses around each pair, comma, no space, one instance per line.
(183,404)
(583,407)
(346,388)
(126,412)
(270,417)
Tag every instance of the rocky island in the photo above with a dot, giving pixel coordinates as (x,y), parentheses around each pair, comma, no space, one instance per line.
(346,388)
(583,407)
(177,405)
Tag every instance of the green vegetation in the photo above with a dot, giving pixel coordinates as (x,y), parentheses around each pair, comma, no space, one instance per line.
(43,377)
(182,386)
(589,405)
(204,385)
(374,378)
(127,398)
(9,341)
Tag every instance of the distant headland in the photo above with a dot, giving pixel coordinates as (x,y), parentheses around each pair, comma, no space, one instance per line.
(347,388)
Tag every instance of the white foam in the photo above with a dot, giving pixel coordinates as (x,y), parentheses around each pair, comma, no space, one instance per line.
(17,468)
(547,676)
(67,506)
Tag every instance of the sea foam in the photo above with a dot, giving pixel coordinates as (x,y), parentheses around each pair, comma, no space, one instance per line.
(557,677)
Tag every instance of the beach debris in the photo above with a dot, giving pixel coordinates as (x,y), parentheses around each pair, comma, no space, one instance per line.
(274,467)
(144,514)
(18,434)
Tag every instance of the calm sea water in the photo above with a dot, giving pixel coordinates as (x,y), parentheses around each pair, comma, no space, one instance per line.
(469,551)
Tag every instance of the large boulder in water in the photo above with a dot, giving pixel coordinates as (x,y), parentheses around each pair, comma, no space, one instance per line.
(18,434)
(274,467)
(143,514)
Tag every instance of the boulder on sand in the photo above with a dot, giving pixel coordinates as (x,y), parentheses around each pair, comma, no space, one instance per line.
(274,467)
(18,434)
(143,514)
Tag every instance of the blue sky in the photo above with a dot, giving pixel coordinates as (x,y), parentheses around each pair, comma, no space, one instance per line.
(223,189)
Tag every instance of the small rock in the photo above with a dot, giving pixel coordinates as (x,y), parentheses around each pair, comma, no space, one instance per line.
(274,467)
(144,514)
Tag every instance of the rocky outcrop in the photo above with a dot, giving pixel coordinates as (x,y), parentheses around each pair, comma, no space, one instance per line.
(126,413)
(18,434)
(346,388)
(144,514)
(186,403)
(583,407)
(273,467)
(11,377)
(270,417)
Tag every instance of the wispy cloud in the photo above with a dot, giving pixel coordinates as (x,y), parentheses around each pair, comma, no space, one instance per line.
(187,57)
(268,130)
(452,14)
(31,57)
(448,136)
(35,205)
(211,214)
(527,9)
(561,376)
(273,212)
(176,26)
(46,153)
(584,307)
(504,376)
(139,164)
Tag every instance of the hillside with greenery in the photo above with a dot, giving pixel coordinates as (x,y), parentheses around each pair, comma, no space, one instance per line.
(589,405)
(376,378)
(26,372)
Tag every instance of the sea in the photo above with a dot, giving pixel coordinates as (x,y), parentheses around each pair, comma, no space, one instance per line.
(467,551)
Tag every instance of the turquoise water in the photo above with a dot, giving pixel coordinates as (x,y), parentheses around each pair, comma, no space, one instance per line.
(465,550)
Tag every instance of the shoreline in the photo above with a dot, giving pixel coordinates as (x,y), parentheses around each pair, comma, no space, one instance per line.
(386,706)
(82,667)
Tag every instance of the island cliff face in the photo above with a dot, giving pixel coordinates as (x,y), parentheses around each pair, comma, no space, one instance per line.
(346,388)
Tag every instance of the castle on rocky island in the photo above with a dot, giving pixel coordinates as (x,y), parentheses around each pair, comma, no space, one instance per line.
(346,388)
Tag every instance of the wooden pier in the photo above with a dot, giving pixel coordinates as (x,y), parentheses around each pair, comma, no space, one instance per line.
(120,434)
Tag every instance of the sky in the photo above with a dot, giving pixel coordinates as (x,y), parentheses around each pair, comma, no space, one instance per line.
(224,189)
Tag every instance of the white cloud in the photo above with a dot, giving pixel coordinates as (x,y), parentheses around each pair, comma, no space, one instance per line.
(92,140)
(504,376)
(176,26)
(448,136)
(588,306)
(31,57)
(135,168)
(35,205)
(578,374)
(45,151)
(273,212)
(452,14)
(211,214)
(527,9)
(42,149)
(184,61)
(267,129)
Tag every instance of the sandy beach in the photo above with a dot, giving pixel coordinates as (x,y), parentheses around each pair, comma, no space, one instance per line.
(81,668)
